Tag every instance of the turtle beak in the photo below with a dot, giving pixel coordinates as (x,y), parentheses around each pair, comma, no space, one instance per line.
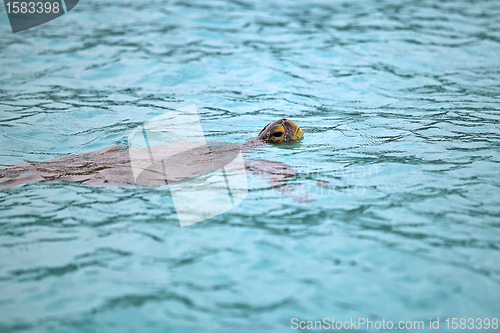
(297,133)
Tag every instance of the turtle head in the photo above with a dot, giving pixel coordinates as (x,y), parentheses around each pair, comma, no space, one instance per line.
(281,132)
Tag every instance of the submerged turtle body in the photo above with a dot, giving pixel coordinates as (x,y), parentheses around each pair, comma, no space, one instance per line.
(112,165)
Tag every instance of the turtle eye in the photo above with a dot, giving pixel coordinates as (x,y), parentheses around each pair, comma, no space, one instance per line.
(277,134)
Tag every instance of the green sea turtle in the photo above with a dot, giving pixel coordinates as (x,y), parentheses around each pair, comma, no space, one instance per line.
(112,165)
(280,132)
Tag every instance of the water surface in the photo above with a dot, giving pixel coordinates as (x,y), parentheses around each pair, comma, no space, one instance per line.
(399,102)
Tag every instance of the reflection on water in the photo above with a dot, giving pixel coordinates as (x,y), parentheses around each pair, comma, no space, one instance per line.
(399,103)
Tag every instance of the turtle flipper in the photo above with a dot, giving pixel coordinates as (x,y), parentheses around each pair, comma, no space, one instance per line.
(277,174)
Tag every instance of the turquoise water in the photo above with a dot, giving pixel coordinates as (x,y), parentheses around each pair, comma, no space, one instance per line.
(395,213)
